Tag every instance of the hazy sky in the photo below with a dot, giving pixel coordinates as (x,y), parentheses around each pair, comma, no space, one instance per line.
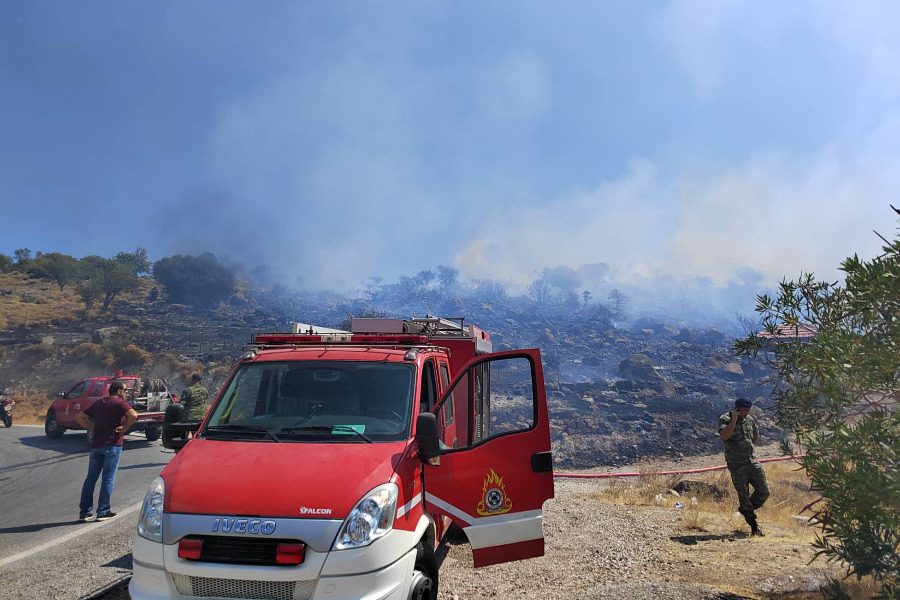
(334,141)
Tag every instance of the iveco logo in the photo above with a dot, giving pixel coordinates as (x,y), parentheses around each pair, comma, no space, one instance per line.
(254,526)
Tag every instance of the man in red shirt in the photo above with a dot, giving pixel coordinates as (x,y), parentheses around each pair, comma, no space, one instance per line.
(108,419)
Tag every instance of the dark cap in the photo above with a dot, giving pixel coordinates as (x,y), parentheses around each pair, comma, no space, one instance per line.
(742,403)
(196,377)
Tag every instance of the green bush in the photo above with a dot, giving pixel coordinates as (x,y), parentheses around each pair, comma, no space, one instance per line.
(837,392)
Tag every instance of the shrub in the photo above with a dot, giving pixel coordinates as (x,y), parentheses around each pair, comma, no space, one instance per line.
(837,392)
(129,358)
(197,280)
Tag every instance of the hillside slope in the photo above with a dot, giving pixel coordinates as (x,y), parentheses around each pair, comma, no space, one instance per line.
(617,393)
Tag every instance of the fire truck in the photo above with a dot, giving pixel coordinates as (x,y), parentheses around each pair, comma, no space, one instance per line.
(340,464)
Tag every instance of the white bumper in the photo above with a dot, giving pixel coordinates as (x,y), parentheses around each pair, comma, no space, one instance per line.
(364,574)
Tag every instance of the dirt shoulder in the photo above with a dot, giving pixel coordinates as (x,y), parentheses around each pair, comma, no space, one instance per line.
(600,549)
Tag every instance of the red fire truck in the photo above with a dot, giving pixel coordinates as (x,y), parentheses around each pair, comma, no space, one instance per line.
(334,465)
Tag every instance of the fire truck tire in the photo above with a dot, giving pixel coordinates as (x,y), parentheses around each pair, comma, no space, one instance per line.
(52,428)
(425,575)
(152,433)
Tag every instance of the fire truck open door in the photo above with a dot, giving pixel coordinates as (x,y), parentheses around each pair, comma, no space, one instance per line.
(495,484)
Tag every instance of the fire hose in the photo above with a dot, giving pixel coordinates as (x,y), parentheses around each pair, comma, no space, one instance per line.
(675,472)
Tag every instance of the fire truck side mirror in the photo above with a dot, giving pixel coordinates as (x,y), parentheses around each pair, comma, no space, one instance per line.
(428,438)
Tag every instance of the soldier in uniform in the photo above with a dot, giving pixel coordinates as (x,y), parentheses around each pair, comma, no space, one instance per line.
(195,398)
(739,431)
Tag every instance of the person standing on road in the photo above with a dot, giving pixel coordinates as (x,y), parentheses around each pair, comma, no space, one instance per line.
(195,399)
(107,420)
(739,431)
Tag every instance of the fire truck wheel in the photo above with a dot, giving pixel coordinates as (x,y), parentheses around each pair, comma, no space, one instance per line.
(425,575)
(152,433)
(52,428)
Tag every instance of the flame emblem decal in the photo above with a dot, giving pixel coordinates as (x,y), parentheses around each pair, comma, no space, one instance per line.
(493,499)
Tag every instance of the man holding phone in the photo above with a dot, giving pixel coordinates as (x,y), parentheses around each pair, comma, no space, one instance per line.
(739,431)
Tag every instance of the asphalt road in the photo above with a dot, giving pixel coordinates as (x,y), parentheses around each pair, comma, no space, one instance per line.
(44,551)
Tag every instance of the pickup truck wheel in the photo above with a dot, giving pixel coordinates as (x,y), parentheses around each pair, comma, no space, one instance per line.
(152,433)
(425,576)
(52,428)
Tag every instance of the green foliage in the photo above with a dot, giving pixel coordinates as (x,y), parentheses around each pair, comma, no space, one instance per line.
(138,261)
(105,278)
(23,255)
(6,263)
(838,393)
(61,268)
(198,280)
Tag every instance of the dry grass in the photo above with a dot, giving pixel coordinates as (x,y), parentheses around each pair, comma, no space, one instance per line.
(28,302)
(710,542)
(31,406)
(710,497)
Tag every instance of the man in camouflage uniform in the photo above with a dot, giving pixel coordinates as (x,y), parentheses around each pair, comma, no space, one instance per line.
(194,399)
(739,431)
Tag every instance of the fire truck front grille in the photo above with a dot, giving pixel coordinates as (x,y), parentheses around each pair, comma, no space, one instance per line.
(241,551)
(246,589)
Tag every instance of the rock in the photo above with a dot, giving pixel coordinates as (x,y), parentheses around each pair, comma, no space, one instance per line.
(105,334)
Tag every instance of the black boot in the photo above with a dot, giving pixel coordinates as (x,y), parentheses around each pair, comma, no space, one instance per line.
(754,526)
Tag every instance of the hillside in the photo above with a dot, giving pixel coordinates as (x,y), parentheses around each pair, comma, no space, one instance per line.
(618,392)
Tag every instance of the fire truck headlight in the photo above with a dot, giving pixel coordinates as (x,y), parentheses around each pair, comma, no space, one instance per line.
(150,522)
(371,518)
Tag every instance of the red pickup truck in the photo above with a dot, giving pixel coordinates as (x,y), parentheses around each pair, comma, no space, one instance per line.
(148,397)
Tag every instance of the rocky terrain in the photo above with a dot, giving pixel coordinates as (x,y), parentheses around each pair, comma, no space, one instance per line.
(618,391)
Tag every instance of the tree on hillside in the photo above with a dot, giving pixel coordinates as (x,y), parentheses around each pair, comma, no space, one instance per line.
(106,278)
(5,263)
(618,301)
(61,268)
(23,255)
(540,290)
(447,276)
(197,280)
(838,392)
(138,261)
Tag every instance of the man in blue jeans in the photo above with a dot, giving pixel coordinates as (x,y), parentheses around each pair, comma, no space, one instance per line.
(108,419)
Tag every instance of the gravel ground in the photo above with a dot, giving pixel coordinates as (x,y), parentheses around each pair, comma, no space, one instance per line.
(597,549)
(593,549)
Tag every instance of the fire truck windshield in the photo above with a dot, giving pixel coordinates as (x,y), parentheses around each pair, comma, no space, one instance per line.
(302,401)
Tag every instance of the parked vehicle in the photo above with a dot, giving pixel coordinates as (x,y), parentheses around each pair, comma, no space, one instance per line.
(149,397)
(6,408)
(332,465)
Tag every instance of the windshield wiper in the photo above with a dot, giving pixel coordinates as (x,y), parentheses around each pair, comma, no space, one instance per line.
(324,428)
(243,428)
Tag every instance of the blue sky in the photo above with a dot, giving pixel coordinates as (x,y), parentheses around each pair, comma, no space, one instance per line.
(332,142)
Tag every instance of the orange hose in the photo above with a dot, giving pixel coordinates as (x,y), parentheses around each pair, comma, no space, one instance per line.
(681,472)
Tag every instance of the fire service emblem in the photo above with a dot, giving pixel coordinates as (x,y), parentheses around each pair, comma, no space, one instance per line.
(493,499)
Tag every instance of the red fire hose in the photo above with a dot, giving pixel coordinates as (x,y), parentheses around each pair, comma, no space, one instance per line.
(682,472)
